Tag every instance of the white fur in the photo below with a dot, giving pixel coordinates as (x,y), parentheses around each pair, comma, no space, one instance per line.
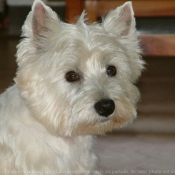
(47,123)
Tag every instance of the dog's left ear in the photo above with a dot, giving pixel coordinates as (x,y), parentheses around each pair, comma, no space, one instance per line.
(39,20)
(121,21)
(42,15)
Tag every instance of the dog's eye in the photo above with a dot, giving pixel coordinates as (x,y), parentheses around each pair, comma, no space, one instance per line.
(72,76)
(111,71)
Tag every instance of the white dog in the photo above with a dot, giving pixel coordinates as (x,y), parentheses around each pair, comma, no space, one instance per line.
(72,82)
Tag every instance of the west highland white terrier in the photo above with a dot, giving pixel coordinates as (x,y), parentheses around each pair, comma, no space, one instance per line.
(72,82)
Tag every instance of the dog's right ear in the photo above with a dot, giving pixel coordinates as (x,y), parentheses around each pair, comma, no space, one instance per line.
(121,21)
(38,20)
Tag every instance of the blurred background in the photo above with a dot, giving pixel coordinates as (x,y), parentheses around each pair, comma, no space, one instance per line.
(148,145)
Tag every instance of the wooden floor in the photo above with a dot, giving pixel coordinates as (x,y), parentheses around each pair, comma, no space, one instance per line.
(148,145)
(137,154)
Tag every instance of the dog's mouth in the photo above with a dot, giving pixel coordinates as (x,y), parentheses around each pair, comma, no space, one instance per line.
(105,119)
(101,120)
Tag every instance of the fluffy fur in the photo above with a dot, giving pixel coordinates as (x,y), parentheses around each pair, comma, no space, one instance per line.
(47,123)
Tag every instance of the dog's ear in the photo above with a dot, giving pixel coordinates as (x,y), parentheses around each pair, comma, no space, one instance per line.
(39,19)
(121,21)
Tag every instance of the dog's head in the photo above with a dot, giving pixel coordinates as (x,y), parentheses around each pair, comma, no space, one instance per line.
(79,79)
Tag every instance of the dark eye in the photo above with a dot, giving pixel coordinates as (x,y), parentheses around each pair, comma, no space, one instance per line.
(72,76)
(111,71)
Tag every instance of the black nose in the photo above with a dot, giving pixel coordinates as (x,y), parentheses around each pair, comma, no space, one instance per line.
(105,107)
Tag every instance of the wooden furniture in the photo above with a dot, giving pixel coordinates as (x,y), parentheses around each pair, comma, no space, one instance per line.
(152,44)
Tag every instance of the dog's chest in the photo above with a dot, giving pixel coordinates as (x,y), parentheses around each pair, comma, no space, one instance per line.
(63,154)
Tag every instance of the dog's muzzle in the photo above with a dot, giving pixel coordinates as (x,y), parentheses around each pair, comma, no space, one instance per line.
(105,107)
